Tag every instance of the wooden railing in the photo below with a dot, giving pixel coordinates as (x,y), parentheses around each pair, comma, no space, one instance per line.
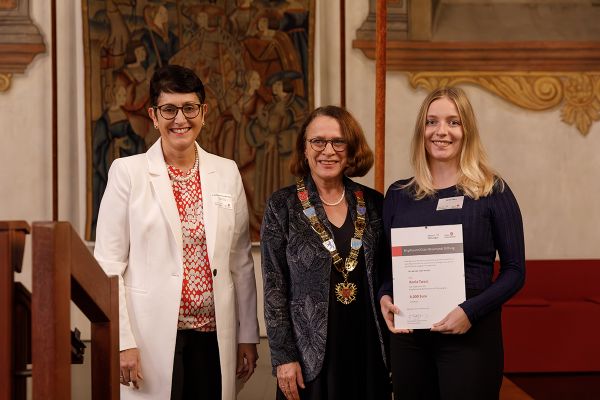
(14,349)
(64,269)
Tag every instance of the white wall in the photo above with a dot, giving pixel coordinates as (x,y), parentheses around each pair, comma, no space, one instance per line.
(552,169)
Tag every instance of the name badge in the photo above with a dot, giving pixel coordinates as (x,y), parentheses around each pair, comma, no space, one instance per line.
(223,200)
(450,203)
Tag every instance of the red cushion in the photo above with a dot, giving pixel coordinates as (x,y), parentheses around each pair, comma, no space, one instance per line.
(593,299)
(552,324)
(527,302)
(562,280)
(562,337)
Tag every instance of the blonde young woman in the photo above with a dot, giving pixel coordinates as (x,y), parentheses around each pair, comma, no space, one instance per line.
(461,356)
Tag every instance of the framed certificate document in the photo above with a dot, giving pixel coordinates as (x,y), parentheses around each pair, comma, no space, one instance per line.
(428,274)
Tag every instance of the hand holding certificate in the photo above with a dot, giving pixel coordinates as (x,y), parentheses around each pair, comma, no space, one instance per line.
(428,274)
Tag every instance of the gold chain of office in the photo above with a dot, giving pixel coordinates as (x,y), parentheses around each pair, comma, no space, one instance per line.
(345,291)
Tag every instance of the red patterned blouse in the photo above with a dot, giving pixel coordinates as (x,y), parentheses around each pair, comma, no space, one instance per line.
(197,309)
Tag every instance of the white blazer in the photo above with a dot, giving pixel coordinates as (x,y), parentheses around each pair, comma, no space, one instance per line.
(139,239)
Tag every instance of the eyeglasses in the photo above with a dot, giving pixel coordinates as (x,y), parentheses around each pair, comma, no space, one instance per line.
(319,144)
(189,110)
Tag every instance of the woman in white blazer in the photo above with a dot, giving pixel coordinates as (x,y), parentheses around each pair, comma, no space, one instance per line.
(173,226)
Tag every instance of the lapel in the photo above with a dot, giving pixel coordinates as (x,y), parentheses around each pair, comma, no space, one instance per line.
(209,181)
(159,177)
(351,187)
(315,200)
(367,238)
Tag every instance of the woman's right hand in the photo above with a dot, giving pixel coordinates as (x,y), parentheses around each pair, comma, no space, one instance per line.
(289,377)
(388,309)
(131,367)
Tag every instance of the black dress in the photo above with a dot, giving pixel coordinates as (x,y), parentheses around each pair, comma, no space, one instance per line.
(353,368)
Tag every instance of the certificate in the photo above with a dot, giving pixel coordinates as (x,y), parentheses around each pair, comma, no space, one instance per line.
(428,274)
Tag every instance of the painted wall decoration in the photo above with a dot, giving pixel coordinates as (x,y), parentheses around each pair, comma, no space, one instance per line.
(254,57)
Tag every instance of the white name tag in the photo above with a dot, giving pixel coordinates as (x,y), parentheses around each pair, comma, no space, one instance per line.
(223,200)
(450,203)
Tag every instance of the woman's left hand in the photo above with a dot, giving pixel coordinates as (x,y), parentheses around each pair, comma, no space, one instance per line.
(388,309)
(246,360)
(455,322)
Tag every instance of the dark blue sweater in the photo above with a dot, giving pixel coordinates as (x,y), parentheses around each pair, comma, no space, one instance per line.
(492,223)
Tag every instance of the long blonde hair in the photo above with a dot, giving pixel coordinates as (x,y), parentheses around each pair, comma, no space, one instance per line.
(476,178)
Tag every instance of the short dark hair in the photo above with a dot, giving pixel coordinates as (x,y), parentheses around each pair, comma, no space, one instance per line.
(175,79)
(360,156)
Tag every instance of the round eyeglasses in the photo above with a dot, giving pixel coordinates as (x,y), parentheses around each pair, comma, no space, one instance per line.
(189,110)
(319,144)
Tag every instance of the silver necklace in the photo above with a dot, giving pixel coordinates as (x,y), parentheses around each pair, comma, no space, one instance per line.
(334,203)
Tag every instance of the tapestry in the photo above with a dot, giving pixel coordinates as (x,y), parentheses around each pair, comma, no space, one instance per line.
(253,56)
